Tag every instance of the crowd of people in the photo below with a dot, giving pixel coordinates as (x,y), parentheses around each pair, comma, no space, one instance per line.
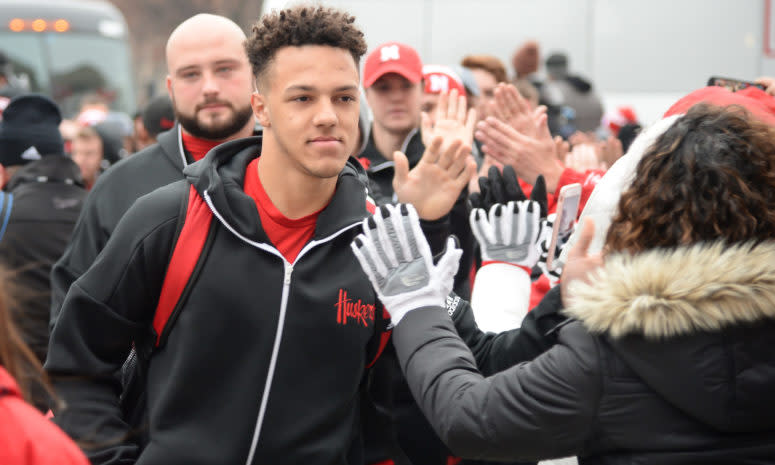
(313,252)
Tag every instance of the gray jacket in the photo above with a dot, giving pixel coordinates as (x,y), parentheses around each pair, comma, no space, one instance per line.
(670,361)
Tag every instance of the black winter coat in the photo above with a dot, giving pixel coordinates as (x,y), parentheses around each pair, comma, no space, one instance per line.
(670,362)
(47,196)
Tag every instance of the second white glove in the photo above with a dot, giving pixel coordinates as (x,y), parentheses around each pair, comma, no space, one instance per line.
(509,233)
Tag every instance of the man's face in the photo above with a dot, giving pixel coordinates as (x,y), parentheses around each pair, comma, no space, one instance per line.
(395,103)
(308,104)
(429,102)
(87,154)
(210,83)
(486,83)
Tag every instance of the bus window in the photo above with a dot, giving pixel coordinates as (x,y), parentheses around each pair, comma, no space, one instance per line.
(26,55)
(83,64)
(68,49)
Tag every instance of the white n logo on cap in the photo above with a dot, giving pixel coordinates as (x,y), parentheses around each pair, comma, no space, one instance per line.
(439,83)
(31,154)
(389,52)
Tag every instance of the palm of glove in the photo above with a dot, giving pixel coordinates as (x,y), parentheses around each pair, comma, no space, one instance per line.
(507,226)
(509,233)
(396,257)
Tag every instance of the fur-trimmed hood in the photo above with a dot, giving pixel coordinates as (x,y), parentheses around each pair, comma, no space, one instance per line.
(696,324)
(664,293)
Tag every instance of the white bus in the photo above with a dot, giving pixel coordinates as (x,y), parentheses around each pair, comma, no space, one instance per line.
(67,49)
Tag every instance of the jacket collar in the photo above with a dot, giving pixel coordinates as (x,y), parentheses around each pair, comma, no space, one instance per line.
(172,146)
(412,147)
(221,174)
(664,293)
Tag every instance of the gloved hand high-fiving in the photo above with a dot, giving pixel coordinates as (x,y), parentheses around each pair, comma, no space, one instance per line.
(506,224)
(395,255)
(508,228)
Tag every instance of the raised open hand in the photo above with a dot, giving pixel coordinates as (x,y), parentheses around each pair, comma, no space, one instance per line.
(451,121)
(528,155)
(510,107)
(435,183)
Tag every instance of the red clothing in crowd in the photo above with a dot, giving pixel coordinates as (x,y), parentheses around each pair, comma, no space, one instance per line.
(197,147)
(26,436)
(588,180)
(287,235)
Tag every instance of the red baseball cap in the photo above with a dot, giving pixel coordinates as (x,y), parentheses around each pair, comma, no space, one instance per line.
(392,57)
(440,79)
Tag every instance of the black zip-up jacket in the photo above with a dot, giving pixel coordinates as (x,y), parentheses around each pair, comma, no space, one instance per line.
(266,359)
(114,192)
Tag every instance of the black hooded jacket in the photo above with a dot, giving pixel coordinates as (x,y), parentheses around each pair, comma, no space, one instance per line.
(266,359)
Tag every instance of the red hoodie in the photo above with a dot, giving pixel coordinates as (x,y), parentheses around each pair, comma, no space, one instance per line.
(26,436)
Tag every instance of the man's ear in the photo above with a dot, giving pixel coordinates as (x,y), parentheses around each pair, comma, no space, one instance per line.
(260,110)
(169,86)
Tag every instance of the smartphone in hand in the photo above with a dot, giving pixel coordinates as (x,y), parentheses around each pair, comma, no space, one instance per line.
(732,84)
(567,209)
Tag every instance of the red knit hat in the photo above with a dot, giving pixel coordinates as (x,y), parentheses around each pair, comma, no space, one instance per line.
(759,103)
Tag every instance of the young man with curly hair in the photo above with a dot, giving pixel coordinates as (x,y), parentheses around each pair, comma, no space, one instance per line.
(266,359)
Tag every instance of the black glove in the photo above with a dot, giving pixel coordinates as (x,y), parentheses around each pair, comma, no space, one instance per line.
(497,188)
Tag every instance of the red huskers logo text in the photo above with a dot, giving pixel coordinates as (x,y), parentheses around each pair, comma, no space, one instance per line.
(358,311)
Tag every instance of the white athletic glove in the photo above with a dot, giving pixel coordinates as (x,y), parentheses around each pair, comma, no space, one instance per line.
(509,233)
(395,255)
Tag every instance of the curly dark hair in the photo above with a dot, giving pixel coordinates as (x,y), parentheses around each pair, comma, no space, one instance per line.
(302,25)
(710,176)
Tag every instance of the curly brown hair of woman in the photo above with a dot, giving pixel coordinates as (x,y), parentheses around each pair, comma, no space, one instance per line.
(299,26)
(710,176)
(15,356)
